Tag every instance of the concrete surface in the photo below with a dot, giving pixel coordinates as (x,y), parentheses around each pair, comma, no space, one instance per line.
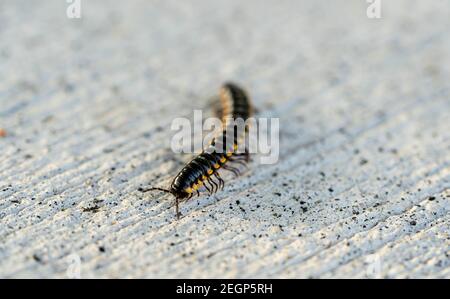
(362,185)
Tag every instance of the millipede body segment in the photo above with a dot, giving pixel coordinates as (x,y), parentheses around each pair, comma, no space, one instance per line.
(202,171)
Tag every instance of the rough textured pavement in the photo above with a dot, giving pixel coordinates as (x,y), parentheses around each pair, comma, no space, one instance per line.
(362,185)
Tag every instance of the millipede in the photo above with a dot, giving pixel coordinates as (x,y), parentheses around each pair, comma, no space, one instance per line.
(202,172)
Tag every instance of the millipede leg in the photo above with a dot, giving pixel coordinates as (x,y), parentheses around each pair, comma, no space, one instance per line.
(245,155)
(239,161)
(234,170)
(177,212)
(221,181)
(211,185)
(211,181)
(206,186)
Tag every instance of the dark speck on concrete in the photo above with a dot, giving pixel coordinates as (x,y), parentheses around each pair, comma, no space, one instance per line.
(147,135)
(37,258)
(108,150)
(91,209)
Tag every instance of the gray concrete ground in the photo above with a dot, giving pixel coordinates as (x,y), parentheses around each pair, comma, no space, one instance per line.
(361,188)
